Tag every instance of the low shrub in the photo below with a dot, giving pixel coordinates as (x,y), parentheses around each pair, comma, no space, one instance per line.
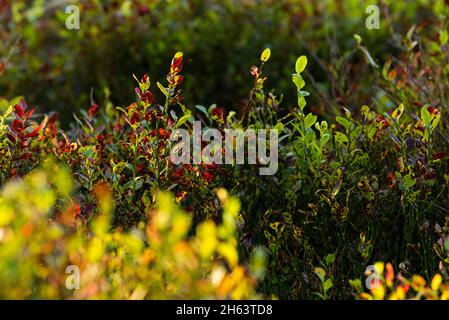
(46,253)
(362,176)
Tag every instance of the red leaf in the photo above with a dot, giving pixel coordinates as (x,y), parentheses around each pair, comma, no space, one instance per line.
(19,110)
(17,126)
(35,132)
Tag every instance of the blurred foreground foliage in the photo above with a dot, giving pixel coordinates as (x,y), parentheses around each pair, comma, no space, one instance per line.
(40,241)
(387,285)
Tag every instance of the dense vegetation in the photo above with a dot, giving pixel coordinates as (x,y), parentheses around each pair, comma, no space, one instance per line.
(363,169)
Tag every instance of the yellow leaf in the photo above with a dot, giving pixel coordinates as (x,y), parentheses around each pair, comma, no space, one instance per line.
(445,295)
(178,55)
(222,194)
(6,216)
(366,296)
(207,236)
(180,196)
(320,271)
(418,281)
(265,55)
(95,250)
(379,267)
(378,292)
(398,112)
(436,282)
(301,64)
(229,253)
(398,294)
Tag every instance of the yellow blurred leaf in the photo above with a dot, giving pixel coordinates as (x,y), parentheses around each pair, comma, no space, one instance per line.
(378,292)
(229,253)
(6,215)
(379,267)
(436,282)
(265,55)
(207,236)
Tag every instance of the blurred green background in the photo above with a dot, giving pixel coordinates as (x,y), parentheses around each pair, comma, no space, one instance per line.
(60,69)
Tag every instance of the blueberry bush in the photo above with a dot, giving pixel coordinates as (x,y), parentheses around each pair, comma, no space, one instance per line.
(87,126)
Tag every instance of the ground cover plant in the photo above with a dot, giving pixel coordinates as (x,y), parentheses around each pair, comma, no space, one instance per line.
(357,207)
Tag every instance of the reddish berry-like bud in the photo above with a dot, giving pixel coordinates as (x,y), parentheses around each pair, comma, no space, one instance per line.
(433,111)
(93,110)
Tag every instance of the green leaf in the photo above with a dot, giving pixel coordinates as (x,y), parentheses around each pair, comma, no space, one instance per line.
(327,285)
(355,133)
(279,126)
(409,181)
(341,138)
(301,102)
(446,245)
(444,37)
(310,120)
(122,110)
(87,151)
(183,119)
(299,147)
(230,115)
(301,64)
(435,121)
(163,90)
(265,55)
(425,115)
(325,138)
(356,284)
(135,184)
(344,122)
(298,81)
(329,259)
(310,137)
